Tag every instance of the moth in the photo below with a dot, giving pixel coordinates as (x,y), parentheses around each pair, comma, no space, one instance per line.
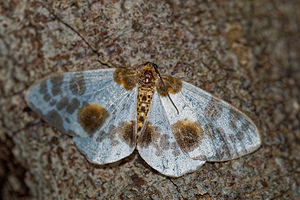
(175,126)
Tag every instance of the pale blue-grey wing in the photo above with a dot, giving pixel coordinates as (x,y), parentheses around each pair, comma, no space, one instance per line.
(157,144)
(224,132)
(58,97)
(85,104)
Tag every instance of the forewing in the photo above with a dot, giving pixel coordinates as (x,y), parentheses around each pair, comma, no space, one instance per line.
(225,133)
(157,144)
(91,106)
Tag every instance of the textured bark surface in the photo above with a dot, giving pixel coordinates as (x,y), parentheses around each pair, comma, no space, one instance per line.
(245,52)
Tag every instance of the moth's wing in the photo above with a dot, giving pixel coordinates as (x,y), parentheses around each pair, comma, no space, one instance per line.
(117,137)
(91,106)
(158,147)
(207,128)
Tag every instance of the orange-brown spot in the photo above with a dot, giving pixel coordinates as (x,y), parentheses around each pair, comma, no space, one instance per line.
(148,136)
(188,134)
(172,86)
(92,117)
(127,132)
(126,77)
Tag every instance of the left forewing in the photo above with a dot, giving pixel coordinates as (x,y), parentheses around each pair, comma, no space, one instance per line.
(93,106)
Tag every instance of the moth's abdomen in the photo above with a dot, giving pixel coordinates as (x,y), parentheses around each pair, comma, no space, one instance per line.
(143,104)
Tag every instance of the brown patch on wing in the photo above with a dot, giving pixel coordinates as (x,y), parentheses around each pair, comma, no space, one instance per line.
(54,119)
(158,150)
(44,90)
(164,142)
(240,135)
(56,82)
(173,86)
(127,132)
(92,117)
(216,136)
(47,97)
(77,85)
(43,87)
(245,126)
(148,136)
(175,149)
(72,106)
(111,134)
(234,118)
(187,134)
(208,128)
(213,110)
(225,147)
(126,77)
(63,102)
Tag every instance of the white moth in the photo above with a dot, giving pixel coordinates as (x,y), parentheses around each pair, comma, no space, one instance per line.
(175,126)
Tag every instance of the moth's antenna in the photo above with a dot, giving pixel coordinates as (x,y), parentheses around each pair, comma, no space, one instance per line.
(164,86)
(75,31)
(83,39)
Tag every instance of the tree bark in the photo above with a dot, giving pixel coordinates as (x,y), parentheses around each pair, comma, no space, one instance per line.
(245,52)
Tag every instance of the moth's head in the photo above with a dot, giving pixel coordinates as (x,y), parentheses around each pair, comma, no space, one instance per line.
(149,73)
(150,65)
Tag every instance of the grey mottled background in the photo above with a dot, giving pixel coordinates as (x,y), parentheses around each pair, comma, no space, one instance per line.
(246,52)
